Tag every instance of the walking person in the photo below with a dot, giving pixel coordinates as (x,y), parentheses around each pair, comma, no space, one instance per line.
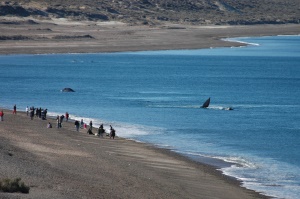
(1,115)
(26,110)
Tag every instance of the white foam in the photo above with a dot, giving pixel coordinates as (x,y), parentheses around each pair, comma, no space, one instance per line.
(124,130)
(242,42)
(276,179)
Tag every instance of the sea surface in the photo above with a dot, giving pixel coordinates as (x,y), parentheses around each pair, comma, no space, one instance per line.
(155,97)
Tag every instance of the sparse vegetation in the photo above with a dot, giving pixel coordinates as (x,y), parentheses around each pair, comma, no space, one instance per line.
(149,12)
(15,185)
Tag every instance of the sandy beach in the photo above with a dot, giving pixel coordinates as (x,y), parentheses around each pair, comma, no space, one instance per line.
(64,163)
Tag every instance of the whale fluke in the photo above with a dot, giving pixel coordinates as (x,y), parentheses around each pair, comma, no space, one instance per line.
(206,103)
(67,90)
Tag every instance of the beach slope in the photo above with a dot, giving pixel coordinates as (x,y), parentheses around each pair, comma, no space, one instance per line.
(63,163)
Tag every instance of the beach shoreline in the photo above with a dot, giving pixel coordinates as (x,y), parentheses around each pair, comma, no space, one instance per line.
(35,153)
(61,36)
(126,162)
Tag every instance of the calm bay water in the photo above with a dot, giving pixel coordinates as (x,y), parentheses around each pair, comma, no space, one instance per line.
(155,97)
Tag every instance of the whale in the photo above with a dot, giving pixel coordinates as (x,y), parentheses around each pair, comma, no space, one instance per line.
(227,108)
(67,90)
(206,103)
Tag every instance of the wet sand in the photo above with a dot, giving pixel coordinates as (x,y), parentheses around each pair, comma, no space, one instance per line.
(64,163)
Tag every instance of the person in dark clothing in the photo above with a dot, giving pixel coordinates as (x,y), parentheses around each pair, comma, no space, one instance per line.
(81,123)
(76,125)
(112,133)
(31,114)
(90,131)
(15,109)
(101,130)
(61,120)
(40,112)
(58,120)
(36,112)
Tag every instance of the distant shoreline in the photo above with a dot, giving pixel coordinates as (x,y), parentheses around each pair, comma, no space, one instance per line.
(106,38)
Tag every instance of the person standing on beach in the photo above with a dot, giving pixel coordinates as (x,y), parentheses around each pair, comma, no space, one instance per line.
(90,131)
(46,110)
(40,112)
(101,130)
(58,120)
(91,124)
(31,113)
(61,120)
(27,110)
(67,116)
(15,109)
(76,125)
(1,115)
(81,123)
(112,133)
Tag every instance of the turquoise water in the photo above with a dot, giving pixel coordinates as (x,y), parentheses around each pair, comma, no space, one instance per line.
(155,97)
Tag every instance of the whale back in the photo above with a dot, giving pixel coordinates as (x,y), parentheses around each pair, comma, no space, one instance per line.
(67,90)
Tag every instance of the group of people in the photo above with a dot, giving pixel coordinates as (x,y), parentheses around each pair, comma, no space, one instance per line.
(60,119)
(38,112)
(101,131)
(41,113)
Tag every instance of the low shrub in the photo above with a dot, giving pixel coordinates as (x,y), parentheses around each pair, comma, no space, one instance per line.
(15,185)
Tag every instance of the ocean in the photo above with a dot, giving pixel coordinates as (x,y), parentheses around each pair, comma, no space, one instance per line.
(156,97)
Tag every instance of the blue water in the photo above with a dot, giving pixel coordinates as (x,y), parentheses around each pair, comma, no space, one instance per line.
(155,97)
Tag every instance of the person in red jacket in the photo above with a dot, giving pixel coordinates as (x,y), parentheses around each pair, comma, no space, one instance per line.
(67,116)
(1,115)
